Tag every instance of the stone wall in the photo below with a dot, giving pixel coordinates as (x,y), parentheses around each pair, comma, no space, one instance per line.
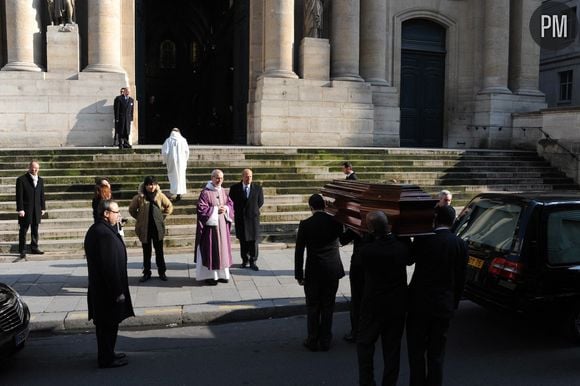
(40,109)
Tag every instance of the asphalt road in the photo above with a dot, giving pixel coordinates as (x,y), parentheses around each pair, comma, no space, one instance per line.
(485,348)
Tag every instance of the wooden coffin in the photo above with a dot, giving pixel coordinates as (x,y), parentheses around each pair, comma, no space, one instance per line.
(408,207)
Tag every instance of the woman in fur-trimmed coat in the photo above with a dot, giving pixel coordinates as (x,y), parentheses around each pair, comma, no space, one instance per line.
(150,207)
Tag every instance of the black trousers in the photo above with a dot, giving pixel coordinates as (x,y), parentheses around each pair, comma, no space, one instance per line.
(426,339)
(248,250)
(320,298)
(33,236)
(106,340)
(390,329)
(159,256)
(356,277)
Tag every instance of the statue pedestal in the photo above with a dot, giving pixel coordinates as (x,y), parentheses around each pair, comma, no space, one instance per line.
(62,48)
(315,59)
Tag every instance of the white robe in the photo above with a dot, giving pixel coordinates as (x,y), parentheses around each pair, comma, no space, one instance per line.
(175,153)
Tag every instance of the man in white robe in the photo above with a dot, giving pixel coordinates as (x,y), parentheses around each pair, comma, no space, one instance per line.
(175,153)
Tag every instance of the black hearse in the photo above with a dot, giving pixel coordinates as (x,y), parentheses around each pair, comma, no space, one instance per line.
(524,253)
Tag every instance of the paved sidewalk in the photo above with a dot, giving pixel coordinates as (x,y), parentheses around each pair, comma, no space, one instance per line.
(55,292)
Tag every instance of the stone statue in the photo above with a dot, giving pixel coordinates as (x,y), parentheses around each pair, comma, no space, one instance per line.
(61,11)
(313,18)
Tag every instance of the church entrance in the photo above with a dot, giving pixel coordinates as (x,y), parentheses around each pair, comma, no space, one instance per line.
(192,70)
(422,83)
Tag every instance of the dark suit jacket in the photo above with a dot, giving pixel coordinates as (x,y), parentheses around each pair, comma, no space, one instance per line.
(319,235)
(107,265)
(385,263)
(123,110)
(439,276)
(247,211)
(351,176)
(30,199)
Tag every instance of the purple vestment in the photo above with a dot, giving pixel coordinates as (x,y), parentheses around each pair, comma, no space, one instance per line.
(214,242)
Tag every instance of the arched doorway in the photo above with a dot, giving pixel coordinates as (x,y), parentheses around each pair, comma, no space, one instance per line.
(422,83)
(192,69)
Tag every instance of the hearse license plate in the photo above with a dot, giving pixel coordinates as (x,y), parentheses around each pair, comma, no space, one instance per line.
(21,337)
(475,262)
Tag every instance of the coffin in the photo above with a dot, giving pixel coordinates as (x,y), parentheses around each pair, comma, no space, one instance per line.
(408,207)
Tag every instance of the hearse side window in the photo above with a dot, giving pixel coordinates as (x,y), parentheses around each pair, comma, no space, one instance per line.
(564,237)
(490,223)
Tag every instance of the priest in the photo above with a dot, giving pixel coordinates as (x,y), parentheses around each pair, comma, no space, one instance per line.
(213,249)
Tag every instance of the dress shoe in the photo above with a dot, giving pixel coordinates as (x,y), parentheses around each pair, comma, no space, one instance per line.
(350,337)
(145,277)
(163,276)
(312,346)
(223,281)
(211,282)
(177,198)
(120,146)
(115,363)
(120,355)
(37,251)
(22,255)
(254,266)
(244,264)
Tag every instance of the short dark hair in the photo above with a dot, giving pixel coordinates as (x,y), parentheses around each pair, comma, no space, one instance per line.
(346,164)
(316,202)
(379,221)
(103,206)
(149,180)
(444,215)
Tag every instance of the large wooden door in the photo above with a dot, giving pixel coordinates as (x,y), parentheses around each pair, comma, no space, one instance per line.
(422,84)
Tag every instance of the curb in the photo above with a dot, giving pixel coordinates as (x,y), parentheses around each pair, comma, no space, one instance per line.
(174,316)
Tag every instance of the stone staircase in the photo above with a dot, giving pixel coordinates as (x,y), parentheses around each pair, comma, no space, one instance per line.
(288,175)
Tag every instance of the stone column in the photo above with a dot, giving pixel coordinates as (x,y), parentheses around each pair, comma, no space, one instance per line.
(524,52)
(496,47)
(279,38)
(373,45)
(344,40)
(104,36)
(22,30)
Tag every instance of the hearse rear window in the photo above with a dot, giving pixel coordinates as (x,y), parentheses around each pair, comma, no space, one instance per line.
(564,237)
(490,223)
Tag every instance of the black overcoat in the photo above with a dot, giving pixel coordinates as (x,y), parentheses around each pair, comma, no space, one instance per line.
(440,263)
(123,109)
(247,211)
(30,199)
(319,235)
(107,264)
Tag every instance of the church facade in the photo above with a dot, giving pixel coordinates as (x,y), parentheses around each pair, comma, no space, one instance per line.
(411,73)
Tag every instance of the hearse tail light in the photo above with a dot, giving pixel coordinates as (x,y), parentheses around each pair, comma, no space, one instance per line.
(505,269)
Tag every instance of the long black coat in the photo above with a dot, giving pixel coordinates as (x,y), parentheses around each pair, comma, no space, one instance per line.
(439,277)
(107,264)
(385,263)
(30,199)
(319,235)
(247,211)
(123,110)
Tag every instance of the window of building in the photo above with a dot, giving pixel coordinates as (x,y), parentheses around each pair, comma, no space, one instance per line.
(167,55)
(565,86)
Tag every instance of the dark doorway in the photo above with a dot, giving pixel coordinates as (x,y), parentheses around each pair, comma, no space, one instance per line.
(192,70)
(422,83)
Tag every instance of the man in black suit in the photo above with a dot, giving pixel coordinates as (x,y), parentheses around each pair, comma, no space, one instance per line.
(123,109)
(347,169)
(108,296)
(31,206)
(434,294)
(319,235)
(384,301)
(248,198)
